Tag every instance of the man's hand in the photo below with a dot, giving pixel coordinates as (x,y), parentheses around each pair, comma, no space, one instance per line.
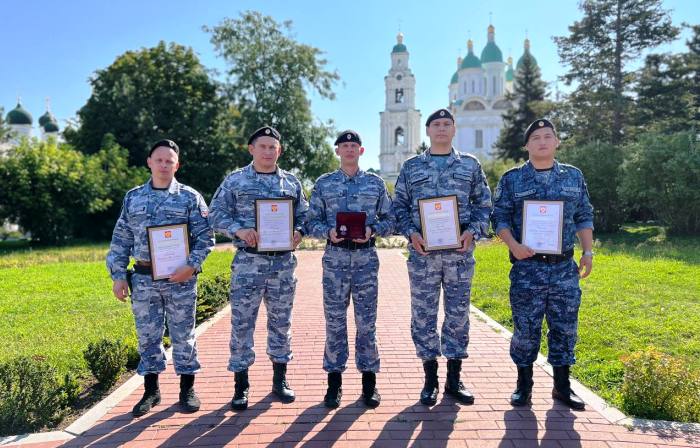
(333,236)
(182,274)
(521,251)
(466,240)
(585,265)
(250,236)
(368,235)
(297,238)
(418,243)
(120,289)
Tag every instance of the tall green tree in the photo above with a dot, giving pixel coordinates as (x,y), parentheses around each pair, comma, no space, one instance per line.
(270,76)
(668,91)
(598,49)
(527,99)
(162,92)
(4,128)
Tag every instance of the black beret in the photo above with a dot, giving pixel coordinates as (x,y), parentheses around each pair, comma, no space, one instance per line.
(265,131)
(440,113)
(167,143)
(538,124)
(348,136)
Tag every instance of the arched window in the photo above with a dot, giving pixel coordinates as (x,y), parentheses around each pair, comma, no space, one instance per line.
(399,139)
(494,85)
(398,96)
(473,86)
(479,138)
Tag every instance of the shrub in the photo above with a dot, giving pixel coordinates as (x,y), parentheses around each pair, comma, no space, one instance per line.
(107,361)
(662,174)
(31,395)
(659,386)
(212,295)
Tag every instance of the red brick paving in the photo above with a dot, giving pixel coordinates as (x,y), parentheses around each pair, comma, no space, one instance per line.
(399,421)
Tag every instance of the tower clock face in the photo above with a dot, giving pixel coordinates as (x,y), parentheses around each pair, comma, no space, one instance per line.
(399,77)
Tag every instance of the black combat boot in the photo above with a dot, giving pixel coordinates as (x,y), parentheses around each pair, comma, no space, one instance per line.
(370,394)
(562,389)
(240,392)
(453,386)
(151,395)
(280,386)
(188,397)
(523,390)
(335,391)
(428,396)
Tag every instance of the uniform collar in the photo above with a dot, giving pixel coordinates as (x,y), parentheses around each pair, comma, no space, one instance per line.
(174,187)
(454,155)
(344,176)
(530,171)
(250,170)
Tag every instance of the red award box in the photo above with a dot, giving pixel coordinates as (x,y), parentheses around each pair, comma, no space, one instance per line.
(350,225)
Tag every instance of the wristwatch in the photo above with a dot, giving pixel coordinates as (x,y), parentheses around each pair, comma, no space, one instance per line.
(588,253)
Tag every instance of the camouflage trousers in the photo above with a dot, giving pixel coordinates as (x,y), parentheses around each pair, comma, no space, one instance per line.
(452,272)
(152,302)
(539,290)
(256,278)
(346,274)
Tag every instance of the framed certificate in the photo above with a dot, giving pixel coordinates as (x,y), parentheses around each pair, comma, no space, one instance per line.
(350,225)
(274,223)
(169,247)
(543,224)
(439,221)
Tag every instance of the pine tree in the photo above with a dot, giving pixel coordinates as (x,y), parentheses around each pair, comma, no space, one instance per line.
(527,99)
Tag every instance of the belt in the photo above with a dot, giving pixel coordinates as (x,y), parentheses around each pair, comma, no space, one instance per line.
(351,245)
(546,258)
(142,267)
(273,253)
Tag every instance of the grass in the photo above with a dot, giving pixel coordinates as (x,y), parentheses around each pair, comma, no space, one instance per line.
(643,291)
(55,301)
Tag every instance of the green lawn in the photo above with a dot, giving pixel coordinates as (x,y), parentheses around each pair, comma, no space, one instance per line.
(643,291)
(56,301)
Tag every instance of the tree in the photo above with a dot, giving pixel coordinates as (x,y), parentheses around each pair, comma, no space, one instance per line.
(51,190)
(269,75)
(610,34)
(420,149)
(162,92)
(4,129)
(668,94)
(527,99)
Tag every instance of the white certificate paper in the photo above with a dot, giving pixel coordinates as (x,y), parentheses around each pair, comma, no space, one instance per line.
(542,226)
(274,224)
(169,248)
(440,222)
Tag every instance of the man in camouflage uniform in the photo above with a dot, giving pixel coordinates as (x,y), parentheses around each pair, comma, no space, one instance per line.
(258,275)
(161,201)
(544,284)
(442,171)
(350,266)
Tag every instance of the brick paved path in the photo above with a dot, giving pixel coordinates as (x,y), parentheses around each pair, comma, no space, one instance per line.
(399,421)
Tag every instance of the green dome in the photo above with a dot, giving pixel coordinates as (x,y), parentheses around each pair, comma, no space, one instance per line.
(471,61)
(491,53)
(455,78)
(19,115)
(51,126)
(525,56)
(399,48)
(46,118)
(509,74)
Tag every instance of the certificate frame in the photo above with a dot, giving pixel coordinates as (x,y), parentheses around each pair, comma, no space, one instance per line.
(151,230)
(560,224)
(451,198)
(289,245)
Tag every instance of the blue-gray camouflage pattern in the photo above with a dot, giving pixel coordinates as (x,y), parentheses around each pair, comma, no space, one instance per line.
(258,277)
(363,192)
(422,177)
(145,206)
(152,302)
(350,273)
(539,289)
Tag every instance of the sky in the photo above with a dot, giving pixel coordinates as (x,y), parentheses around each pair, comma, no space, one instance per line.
(51,49)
